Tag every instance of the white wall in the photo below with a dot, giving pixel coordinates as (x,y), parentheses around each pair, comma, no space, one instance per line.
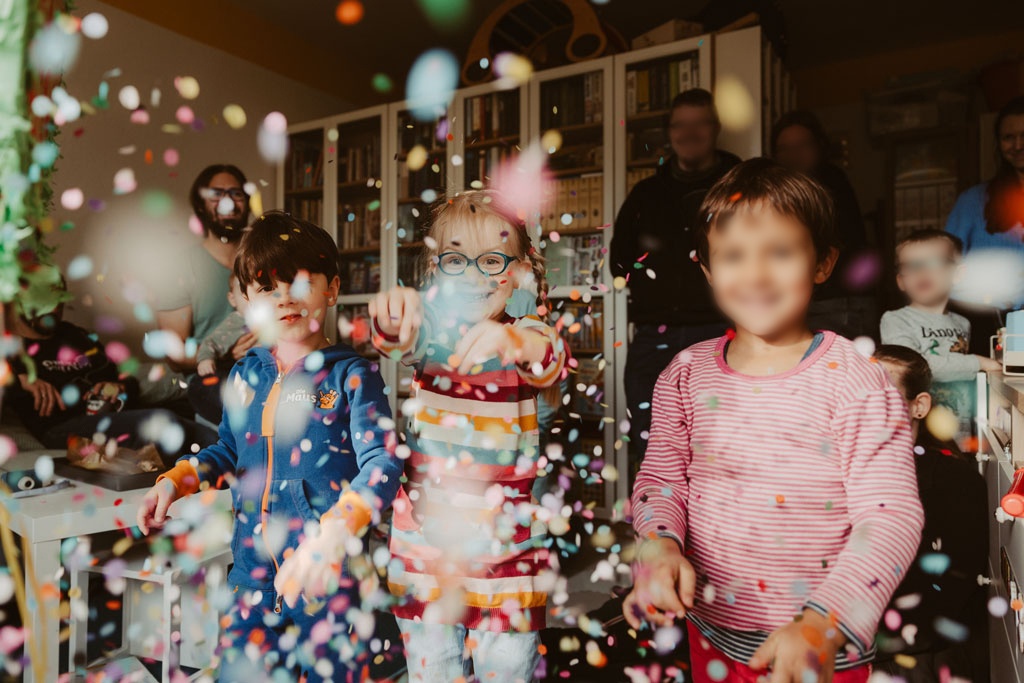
(129,239)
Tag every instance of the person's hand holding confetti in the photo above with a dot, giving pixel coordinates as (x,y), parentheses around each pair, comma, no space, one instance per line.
(397,313)
(663,584)
(314,569)
(791,651)
(152,514)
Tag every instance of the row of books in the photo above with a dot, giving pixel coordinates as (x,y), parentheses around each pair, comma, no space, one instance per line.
(411,266)
(361,275)
(307,209)
(575,260)
(923,205)
(412,184)
(358,226)
(412,133)
(571,101)
(481,164)
(582,325)
(653,88)
(491,116)
(582,198)
(357,163)
(636,175)
(306,167)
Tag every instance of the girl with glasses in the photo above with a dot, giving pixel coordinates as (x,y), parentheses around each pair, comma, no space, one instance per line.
(466,541)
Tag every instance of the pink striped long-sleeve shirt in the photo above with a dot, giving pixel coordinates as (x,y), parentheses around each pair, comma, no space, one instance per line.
(787,492)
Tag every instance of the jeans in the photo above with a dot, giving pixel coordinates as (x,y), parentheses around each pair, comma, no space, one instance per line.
(439,653)
(652,349)
(260,645)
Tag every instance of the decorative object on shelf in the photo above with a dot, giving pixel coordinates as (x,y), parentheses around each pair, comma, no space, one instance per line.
(534,23)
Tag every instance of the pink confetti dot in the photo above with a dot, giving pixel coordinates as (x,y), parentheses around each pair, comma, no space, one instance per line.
(72,199)
(185,115)
(118,352)
(171,157)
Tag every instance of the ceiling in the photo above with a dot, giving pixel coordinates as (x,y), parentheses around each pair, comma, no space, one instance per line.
(392,33)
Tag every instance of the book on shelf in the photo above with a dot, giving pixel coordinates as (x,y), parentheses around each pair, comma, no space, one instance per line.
(363,275)
(305,209)
(634,176)
(306,166)
(575,260)
(575,100)
(652,87)
(358,225)
(359,162)
(582,198)
(581,325)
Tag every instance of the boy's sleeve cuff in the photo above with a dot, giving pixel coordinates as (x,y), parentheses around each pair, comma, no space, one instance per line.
(184,477)
(352,509)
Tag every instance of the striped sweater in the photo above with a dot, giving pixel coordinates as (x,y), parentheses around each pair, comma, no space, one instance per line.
(465,548)
(787,492)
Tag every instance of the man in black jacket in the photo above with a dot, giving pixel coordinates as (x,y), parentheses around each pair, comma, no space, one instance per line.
(670,303)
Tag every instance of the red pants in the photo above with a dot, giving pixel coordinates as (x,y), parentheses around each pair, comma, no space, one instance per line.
(702,653)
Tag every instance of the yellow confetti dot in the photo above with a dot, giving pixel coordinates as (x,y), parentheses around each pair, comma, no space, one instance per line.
(121,546)
(188,87)
(619,283)
(234,115)
(551,141)
(942,423)
(417,158)
(905,661)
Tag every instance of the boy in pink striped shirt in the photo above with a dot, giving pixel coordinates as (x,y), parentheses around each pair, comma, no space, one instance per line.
(777,505)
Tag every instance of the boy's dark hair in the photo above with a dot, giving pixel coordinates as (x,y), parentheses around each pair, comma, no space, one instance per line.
(929,234)
(202,181)
(915,375)
(1004,203)
(765,183)
(278,246)
(804,119)
(694,97)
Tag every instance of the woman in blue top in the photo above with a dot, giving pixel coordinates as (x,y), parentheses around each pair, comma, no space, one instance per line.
(989,220)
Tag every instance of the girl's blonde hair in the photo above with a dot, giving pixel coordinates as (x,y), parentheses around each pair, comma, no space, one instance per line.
(481,207)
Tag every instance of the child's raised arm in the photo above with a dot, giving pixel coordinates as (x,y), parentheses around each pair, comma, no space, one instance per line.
(396,317)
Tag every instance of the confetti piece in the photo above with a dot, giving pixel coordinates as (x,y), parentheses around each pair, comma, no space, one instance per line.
(942,423)
(94,25)
(128,96)
(72,199)
(124,181)
(185,115)
(187,87)
(382,83)
(171,157)
(736,108)
(349,12)
(431,84)
(551,141)
(272,138)
(234,116)
(513,68)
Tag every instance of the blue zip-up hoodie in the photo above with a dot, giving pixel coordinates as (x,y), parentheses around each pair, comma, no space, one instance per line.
(290,444)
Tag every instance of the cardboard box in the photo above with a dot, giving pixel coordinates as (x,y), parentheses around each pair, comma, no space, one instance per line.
(677,29)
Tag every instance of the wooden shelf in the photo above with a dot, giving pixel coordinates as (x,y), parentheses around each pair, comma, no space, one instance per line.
(586,352)
(583,170)
(307,191)
(645,163)
(417,200)
(573,127)
(360,185)
(492,142)
(430,152)
(642,116)
(359,250)
(412,245)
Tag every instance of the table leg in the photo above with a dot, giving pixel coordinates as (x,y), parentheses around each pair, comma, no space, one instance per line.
(45,562)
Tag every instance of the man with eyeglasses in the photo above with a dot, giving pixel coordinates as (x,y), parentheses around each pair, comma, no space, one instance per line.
(670,303)
(194,298)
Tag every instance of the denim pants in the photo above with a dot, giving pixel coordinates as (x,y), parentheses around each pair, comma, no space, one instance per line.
(261,645)
(437,653)
(652,349)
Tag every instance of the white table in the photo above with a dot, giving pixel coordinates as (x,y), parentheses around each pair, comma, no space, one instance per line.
(45,521)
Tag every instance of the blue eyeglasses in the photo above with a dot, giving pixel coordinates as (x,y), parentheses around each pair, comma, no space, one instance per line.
(491,263)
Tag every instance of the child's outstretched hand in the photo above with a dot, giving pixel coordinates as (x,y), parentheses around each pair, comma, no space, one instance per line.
(484,340)
(206,367)
(152,514)
(398,312)
(663,584)
(808,644)
(314,568)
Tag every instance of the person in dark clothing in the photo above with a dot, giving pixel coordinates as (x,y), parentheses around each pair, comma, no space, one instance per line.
(65,385)
(799,142)
(940,596)
(654,249)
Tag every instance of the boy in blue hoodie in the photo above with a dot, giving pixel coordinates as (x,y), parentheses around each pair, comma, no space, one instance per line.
(306,446)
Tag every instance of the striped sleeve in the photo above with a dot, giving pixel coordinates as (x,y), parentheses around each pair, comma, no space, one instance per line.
(661,490)
(548,371)
(872,434)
